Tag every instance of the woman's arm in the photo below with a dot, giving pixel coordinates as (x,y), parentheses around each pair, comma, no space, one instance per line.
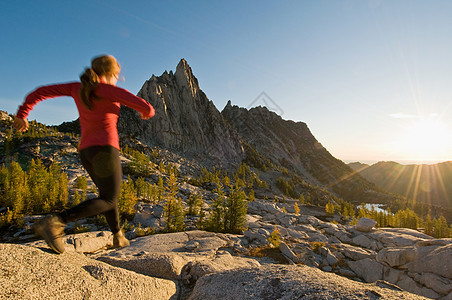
(42,93)
(126,98)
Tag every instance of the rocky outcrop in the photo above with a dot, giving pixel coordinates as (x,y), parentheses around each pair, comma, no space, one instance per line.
(182,255)
(401,257)
(32,273)
(201,261)
(321,253)
(365,224)
(186,121)
(287,282)
(88,242)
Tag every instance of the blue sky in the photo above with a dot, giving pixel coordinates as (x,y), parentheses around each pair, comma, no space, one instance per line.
(370,78)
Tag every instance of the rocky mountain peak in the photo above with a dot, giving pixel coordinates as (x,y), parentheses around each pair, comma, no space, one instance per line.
(186,121)
(185,78)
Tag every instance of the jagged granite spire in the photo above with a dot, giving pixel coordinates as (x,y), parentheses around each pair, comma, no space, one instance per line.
(185,78)
(186,121)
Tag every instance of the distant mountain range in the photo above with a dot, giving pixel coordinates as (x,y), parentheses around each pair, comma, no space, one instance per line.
(426,184)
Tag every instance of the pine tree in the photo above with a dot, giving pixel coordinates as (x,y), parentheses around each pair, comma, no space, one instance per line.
(440,228)
(251,196)
(296,208)
(127,198)
(226,180)
(16,190)
(301,199)
(275,238)
(235,213)
(160,188)
(141,187)
(76,199)
(161,167)
(428,225)
(194,204)
(345,212)
(38,187)
(174,210)
(329,208)
(81,182)
(217,215)
(308,199)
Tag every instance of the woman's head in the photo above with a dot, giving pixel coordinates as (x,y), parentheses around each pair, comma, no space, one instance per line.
(104,68)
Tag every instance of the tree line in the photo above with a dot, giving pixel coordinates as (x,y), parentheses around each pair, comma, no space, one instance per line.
(404,218)
(41,189)
(36,191)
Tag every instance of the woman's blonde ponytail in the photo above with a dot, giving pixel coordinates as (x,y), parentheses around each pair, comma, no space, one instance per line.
(89,81)
(90,78)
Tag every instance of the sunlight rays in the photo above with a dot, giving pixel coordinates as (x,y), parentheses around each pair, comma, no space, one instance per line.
(422,138)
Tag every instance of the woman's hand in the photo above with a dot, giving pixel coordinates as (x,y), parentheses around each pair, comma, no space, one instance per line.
(20,124)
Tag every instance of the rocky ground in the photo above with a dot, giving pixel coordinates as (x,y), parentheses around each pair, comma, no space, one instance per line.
(316,259)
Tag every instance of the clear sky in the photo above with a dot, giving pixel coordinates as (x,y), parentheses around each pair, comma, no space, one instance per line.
(372,79)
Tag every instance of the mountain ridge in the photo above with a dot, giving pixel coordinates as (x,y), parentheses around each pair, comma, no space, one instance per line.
(292,145)
(422,183)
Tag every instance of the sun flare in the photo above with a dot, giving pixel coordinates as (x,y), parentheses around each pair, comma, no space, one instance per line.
(425,139)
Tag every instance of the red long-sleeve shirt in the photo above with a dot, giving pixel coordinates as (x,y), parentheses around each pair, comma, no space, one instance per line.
(99,125)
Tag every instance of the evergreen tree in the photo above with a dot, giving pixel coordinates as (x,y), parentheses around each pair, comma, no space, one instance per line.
(194,204)
(440,228)
(428,225)
(63,192)
(308,199)
(38,187)
(174,210)
(217,215)
(329,208)
(76,199)
(301,199)
(251,196)
(81,182)
(275,238)
(296,208)
(141,188)
(226,181)
(127,198)
(160,188)
(140,164)
(235,213)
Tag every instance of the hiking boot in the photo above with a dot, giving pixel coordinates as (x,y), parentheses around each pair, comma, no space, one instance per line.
(119,240)
(51,229)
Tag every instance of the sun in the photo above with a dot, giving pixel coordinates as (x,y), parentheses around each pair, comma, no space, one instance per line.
(425,139)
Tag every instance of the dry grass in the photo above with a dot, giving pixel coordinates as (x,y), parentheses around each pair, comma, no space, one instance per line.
(266,251)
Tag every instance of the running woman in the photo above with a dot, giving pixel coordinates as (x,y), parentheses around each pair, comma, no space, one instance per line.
(98,101)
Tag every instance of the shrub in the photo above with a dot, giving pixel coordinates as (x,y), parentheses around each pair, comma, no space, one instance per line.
(266,251)
(275,238)
(315,246)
